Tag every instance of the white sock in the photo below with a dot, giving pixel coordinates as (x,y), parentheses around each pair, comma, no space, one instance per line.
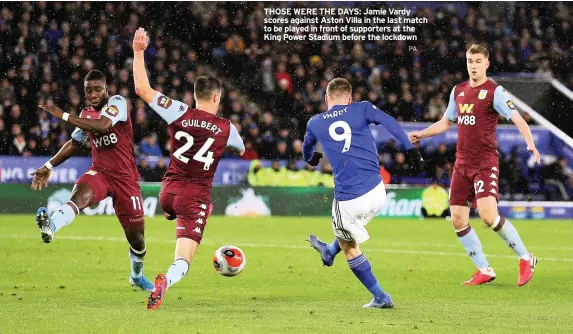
(526,257)
(177,271)
(64,215)
(487,271)
(136,258)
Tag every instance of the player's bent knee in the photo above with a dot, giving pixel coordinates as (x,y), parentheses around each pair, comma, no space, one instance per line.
(487,208)
(352,253)
(350,248)
(136,242)
(488,216)
(82,196)
(134,229)
(459,220)
(460,216)
(135,236)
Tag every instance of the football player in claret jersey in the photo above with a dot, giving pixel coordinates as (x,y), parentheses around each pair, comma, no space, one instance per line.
(359,193)
(107,125)
(198,140)
(476,105)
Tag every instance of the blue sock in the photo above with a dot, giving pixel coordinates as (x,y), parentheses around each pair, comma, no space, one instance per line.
(507,232)
(334,248)
(472,245)
(363,271)
(136,258)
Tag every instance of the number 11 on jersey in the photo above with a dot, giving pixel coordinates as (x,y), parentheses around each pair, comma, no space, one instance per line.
(136,201)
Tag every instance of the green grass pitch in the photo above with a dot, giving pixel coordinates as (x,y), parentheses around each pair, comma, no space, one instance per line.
(79,283)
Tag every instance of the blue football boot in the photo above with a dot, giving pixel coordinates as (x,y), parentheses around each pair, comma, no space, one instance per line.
(322,248)
(44,224)
(141,283)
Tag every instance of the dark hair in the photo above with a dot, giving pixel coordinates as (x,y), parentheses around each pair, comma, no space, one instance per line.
(95,75)
(205,85)
(338,86)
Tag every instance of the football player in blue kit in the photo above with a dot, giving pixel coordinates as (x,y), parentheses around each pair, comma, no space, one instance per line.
(345,136)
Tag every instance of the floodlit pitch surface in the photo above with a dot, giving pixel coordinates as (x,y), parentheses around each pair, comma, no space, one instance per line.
(79,283)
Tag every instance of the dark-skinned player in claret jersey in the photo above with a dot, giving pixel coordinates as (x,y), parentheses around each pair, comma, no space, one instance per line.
(107,125)
(475,106)
(198,140)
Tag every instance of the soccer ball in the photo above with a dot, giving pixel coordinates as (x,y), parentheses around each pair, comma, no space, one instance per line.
(229,260)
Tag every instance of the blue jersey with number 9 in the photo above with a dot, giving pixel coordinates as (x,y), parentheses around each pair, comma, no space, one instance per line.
(348,144)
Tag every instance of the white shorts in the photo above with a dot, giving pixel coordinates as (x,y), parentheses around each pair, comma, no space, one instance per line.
(349,218)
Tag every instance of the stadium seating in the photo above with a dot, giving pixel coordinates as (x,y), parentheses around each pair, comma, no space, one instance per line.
(47,48)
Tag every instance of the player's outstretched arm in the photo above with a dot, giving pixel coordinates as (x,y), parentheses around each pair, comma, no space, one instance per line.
(91,125)
(42,174)
(142,87)
(440,126)
(235,142)
(170,110)
(378,117)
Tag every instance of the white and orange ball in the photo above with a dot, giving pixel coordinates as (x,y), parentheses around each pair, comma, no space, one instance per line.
(229,260)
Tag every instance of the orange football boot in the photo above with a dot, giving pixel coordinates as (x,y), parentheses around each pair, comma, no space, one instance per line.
(480,277)
(526,269)
(156,297)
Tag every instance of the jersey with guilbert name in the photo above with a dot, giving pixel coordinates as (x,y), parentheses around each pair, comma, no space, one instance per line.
(476,111)
(348,144)
(112,151)
(198,140)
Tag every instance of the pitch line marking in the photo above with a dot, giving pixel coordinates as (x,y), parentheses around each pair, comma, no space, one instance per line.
(213,243)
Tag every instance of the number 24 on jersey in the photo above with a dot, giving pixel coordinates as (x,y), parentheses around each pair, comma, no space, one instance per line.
(203,155)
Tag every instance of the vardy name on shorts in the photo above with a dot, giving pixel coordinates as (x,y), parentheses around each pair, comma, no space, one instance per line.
(201,124)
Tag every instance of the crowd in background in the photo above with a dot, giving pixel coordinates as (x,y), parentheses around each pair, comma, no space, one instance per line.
(271,88)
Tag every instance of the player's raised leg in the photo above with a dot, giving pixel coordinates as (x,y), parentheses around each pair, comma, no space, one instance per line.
(327,252)
(487,207)
(82,197)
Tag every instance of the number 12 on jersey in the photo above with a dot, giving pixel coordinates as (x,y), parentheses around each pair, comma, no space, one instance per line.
(206,159)
(346,134)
